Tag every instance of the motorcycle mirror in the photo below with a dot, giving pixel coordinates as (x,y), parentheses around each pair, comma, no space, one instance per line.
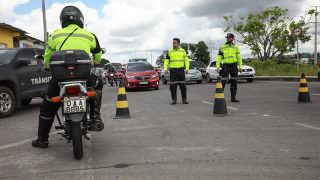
(39,57)
(103,50)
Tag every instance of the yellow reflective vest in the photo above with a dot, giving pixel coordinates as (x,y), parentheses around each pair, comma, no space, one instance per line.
(229,54)
(79,40)
(176,58)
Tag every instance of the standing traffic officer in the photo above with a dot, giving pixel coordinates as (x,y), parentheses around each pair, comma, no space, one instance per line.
(178,62)
(230,61)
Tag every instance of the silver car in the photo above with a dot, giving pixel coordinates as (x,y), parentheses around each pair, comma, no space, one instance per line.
(194,75)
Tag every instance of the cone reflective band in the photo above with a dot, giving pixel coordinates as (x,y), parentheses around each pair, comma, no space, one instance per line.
(304,96)
(220,106)
(122,104)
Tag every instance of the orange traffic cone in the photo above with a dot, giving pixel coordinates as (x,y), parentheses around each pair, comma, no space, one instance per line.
(122,103)
(220,106)
(304,96)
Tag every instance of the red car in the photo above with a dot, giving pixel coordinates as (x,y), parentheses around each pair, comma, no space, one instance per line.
(119,73)
(141,75)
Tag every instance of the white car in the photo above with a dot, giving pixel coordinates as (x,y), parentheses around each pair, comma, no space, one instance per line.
(193,75)
(248,72)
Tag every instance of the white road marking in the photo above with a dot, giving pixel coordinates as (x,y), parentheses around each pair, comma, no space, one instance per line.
(207,102)
(22,142)
(212,103)
(307,126)
(316,94)
(232,108)
(266,115)
(136,128)
(192,148)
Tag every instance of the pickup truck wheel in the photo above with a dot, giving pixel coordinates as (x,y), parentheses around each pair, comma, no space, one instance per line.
(26,102)
(7,102)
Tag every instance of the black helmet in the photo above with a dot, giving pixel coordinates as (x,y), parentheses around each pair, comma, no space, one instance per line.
(230,35)
(71,15)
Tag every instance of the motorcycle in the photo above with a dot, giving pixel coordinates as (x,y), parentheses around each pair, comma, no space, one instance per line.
(73,69)
(111,79)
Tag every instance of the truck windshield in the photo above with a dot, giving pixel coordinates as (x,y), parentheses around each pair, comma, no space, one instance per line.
(7,55)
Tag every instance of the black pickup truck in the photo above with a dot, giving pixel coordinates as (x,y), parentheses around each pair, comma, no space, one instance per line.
(22,77)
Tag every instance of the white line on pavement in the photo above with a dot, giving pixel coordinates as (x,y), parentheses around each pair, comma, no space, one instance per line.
(207,102)
(307,126)
(232,108)
(212,103)
(316,94)
(192,148)
(21,142)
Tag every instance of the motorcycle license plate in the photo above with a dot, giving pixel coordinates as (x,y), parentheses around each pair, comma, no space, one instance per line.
(74,105)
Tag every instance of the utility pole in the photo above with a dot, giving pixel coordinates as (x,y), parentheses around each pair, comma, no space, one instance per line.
(315,61)
(151,58)
(45,35)
(211,45)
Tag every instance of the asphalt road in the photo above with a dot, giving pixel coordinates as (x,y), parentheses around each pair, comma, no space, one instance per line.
(267,136)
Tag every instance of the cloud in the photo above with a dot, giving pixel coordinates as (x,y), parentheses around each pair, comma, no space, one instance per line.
(131,28)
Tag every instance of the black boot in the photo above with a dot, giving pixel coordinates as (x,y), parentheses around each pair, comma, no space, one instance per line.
(40,143)
(183,89)
(184,101)
(173,90)
(233,95)
(43,132)
(97,124)
(174,101)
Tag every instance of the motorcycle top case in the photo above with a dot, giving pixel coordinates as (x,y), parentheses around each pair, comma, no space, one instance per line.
(70,64)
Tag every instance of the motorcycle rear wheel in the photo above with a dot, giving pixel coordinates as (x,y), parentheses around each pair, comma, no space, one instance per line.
(77,140)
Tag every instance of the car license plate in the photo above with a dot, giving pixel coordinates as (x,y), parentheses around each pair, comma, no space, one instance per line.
(143,83)
(74,105)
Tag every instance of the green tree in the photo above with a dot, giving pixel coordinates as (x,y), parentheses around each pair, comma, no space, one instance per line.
(185,46)
(269,32)
(201,53)
(160,59)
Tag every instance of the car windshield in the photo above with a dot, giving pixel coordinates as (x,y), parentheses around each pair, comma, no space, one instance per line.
(197,65)
(138,67)
(7,55)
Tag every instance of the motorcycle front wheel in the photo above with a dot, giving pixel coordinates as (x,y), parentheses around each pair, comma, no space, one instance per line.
(77,140)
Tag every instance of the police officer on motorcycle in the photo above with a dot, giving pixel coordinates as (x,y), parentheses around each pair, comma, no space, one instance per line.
(72,36)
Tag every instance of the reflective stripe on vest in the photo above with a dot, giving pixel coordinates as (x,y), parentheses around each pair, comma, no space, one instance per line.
(73,35)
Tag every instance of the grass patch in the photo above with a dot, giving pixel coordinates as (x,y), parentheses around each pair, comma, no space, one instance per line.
(274,68)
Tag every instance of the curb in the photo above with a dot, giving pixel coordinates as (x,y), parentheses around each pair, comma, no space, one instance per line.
(285,78)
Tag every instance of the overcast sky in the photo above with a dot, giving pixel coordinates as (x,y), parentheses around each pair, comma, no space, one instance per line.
(134,28)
